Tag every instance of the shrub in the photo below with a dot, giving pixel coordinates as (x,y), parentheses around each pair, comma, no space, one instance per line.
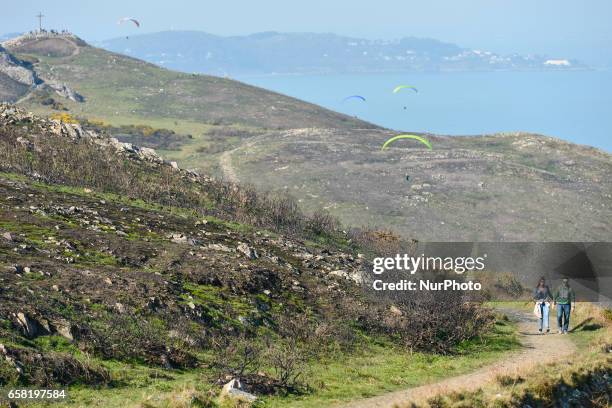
(428,321)
(130,337)
(237,356)
(51,369)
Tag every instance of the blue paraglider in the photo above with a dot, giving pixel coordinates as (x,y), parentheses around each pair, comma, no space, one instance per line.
(354,97)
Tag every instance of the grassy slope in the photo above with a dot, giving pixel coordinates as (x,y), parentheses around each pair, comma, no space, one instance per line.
(502,187)
(534,188)
(79,254)
(121,90)
(376,366)
(382,368)
(119,87)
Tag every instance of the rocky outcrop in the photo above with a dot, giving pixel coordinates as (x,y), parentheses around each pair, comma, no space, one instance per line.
(17,70)
(23,73)
(64,91)
(11,115)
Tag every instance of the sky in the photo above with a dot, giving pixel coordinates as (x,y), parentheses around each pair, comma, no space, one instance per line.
(558,28)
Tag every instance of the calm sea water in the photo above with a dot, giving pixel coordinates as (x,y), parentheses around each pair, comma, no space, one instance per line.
(575,106)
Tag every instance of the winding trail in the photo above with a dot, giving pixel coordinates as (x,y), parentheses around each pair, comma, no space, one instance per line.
(536,349)
(225,162)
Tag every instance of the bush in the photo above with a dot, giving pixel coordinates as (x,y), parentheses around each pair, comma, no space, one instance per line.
(237,356)
(51,369)
(429,321)
(129,338)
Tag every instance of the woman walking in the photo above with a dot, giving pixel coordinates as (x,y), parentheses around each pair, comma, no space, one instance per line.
(542,296)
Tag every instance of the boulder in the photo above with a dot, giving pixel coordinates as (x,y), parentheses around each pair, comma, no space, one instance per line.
(64,91)
(248,251)
(233,391)
(29,326)
(63,328)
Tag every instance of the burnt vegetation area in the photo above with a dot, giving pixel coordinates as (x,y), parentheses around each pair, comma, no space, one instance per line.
(111,255)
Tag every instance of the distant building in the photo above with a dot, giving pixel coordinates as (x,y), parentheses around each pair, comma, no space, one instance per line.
(558,62)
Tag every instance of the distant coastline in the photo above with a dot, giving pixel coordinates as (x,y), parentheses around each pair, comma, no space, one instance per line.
(274,53)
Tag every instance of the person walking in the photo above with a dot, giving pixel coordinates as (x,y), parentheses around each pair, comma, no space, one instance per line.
(564,299)
(543,297)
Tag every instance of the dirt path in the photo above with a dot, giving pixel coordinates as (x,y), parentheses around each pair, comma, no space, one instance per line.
(536,349)
(225,162)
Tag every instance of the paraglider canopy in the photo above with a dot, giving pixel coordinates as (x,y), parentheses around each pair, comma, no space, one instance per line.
(399,137)
(354,97)
(126,19)
(400,87)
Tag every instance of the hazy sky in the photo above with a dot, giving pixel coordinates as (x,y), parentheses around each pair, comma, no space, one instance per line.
(572,28)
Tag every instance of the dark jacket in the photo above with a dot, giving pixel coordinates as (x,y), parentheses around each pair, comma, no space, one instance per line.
(543,295)
(564,295)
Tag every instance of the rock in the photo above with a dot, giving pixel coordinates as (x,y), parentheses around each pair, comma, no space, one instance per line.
(63,328)
(119,308)
(16,269)
(29,326)
(233,390)
(17,70)
(248,251)
(219,247)
(354,276)
(121,233)
(64,91)
(7,236)
(416,187)
(181,239)
(108,281)
(395,311)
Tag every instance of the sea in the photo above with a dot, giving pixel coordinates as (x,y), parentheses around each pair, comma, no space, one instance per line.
(572,105)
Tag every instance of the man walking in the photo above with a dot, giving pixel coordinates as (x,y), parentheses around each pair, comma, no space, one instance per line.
(564,299)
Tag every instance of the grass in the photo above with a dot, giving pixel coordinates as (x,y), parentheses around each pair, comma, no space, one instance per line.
(382,367)
(118,86)
(377,368)
(577,380)
(124,200)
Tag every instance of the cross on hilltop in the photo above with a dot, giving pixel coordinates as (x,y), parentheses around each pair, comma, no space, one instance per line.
(40,17)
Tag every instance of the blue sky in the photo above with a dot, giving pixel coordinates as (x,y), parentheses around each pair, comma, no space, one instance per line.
(563,28)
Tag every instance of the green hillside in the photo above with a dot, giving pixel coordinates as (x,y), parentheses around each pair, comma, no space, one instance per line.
(117,87)
(500,187)
(123,274)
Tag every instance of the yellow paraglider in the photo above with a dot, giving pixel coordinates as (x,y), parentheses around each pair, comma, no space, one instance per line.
(399,137)
(400,87)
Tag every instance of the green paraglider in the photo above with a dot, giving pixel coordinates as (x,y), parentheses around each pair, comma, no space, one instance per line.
(399,137)
(400,87)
